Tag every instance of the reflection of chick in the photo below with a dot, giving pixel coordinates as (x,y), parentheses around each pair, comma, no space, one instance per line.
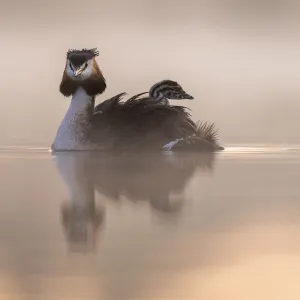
(81,224)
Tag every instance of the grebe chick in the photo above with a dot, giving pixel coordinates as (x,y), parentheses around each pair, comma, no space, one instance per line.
(164,90)
(159,93)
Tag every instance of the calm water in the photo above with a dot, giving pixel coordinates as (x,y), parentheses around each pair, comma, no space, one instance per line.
(87,226)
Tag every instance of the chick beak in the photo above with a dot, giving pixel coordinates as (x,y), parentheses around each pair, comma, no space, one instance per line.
(189,97)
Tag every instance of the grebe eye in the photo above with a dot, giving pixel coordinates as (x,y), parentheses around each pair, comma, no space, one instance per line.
(71,66)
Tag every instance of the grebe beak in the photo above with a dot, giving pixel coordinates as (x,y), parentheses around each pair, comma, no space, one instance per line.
(78,71)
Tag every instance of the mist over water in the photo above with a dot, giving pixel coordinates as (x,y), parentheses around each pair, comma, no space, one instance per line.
(134,227)
(239,59)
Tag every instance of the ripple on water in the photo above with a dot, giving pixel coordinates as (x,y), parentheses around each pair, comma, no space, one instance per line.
(249,151)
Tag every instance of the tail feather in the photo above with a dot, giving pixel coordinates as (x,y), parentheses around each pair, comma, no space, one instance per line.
(204,140)
(192,144)
(207,131)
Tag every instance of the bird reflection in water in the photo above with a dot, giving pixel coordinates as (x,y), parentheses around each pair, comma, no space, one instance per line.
(159,179)
(81,225)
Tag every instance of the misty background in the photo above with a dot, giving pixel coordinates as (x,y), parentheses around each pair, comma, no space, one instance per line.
(239,59)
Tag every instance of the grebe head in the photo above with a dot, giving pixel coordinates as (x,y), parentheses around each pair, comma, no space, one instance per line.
(168,89)
(82,70)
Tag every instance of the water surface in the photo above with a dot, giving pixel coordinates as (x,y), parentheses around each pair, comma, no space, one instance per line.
(173,226)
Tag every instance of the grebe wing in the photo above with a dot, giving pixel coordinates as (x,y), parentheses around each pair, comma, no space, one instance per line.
(113,102)
(108,104)
(136,123)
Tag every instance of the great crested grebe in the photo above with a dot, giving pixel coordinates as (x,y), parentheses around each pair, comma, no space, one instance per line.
(136,124)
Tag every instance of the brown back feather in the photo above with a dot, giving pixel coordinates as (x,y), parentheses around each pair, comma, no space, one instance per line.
(108,104)
(138,124)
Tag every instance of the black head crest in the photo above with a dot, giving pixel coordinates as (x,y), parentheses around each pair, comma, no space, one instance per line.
(78,57)
(88,52)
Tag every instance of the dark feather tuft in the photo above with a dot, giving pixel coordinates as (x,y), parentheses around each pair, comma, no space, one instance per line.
(135,99)
(207,131)
(109,104)
(90,52)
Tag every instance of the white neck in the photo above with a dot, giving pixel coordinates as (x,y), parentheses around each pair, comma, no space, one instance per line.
(162,100)
(71,132)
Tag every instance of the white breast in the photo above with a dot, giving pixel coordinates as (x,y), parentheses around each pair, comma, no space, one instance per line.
(70,133)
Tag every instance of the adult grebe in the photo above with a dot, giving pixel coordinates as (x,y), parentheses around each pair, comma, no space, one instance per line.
(131,125)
